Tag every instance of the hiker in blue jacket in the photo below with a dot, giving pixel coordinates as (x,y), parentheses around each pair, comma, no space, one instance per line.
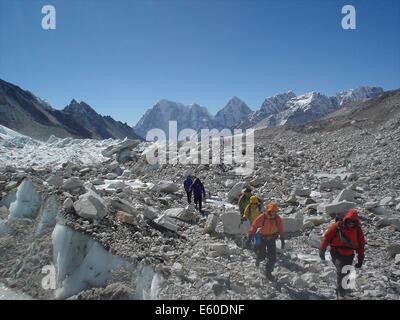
(187,184)
(199,193)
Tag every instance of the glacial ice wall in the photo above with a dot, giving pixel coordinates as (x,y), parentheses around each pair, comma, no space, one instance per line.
(27,203)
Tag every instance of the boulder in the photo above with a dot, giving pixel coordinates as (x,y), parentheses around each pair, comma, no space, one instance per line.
(371,204)
(314,239)
(177,268)
(346,195)
(380,210)
(299,283)
(302,192)
(232,224)
(257,182)
(387,221)
(84,171)
(126,174)
(234,193)
(166,222)
(125,217)
(386,201)
(392,250)
(72,183)
(90,206)
(165,187)
(122,205)
(317,221)
(397,259)
(127,144)
(124,156)
(211,224)
(339,208)
(148,212)
(55,181)
(308,226)
(98,182)
(111,176)
(334,184)
(292,225)
(181,214)
(68,204)
(221,249)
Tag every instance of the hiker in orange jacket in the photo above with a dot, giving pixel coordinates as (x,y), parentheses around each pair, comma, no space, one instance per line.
(268,226)
(344,237)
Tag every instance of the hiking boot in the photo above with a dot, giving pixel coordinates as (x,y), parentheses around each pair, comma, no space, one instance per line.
(269,276)
(340,294)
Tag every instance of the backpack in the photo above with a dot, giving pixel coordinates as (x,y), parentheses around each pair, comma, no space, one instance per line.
(276,221)
(347,242)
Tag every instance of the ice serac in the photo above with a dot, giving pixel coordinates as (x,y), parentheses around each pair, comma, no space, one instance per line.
(27,202)
(48,214)
(80,262)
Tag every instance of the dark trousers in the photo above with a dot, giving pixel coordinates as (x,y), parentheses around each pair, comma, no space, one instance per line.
(189,196)
(340,261)
(198,200)
(267,248)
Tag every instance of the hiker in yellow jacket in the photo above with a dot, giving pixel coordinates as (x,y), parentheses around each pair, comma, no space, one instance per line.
(252,210)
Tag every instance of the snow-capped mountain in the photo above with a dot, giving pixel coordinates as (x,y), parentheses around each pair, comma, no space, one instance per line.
(271,106)
(25,113)
(192,116)
(302,109)
(232,113)
(288,108)
(358,94)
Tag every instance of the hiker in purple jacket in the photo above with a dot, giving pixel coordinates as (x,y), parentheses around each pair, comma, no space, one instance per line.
(187,184)
(198,192)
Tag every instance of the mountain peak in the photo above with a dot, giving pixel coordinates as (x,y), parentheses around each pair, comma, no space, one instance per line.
(79,107)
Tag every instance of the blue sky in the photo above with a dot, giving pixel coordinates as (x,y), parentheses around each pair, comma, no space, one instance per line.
(122,56)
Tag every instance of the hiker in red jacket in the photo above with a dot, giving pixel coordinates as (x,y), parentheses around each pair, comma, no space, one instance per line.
(266,227)
(344,237)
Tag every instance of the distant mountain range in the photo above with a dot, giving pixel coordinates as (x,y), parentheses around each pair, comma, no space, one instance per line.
(275,111)
(24,112)
(192,116)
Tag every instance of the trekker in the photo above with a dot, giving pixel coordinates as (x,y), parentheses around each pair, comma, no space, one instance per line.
(244,200)
(187,184)
(199,193)
(344,237)
(252,210)
(267,226)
